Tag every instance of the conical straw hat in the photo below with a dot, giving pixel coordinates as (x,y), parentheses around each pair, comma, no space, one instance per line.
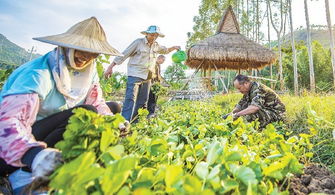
(87,35)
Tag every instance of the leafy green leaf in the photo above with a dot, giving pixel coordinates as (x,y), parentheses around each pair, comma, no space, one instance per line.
(106,139)
(257,170)
(76,174)
(246,175)
(234,156)
(214,172)
(124,191)
(201,170)
(117,174)
(116,151)
(173,177)
(229,184)
(146,174)
(142,191)
(192,185)
(213,152)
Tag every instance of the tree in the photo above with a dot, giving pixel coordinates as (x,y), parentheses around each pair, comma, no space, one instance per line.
(332,49)
(279,32)
(294,53)
(321,61)
(174,73)
(257,21)
(210,13)
(310,53)
(269,35)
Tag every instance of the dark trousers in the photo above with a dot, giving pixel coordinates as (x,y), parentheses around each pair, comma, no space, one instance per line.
(152,102)
(49,130)
(136,97)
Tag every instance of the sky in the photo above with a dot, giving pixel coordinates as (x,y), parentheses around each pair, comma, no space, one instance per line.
(122,20)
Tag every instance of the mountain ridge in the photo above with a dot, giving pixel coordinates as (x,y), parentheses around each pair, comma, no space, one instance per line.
(13,54)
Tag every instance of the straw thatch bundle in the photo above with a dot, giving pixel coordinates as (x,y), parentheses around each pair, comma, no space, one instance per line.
(228,49)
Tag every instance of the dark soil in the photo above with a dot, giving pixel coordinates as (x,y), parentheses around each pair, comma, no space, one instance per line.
(316,179)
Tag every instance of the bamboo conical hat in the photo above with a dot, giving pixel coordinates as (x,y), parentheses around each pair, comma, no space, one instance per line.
(87,35)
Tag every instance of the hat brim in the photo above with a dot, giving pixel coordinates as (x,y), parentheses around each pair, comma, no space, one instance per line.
(147,32)
(81,43)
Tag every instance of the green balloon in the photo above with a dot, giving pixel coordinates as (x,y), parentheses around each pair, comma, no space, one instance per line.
(179,56)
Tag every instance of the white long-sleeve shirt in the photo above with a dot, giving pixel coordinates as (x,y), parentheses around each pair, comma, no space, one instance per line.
(142,57)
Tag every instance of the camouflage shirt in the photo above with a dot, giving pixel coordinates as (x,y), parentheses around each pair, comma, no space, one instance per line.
(264,98)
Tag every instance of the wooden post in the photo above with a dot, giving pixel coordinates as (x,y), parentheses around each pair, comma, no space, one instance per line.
(224,85)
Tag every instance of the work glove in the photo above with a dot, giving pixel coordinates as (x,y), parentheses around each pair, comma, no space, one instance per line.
(45,162)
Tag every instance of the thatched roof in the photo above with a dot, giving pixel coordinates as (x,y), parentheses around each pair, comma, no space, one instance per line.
(228,49)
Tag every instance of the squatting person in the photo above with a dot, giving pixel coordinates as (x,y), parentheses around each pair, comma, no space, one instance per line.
(259,102)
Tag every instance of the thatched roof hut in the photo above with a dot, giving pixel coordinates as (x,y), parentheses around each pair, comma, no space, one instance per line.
(228,49)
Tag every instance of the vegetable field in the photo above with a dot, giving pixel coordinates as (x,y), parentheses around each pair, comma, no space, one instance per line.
(189,149)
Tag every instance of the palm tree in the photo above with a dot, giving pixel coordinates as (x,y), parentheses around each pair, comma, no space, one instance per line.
(310,54)
(329,23)
(294,53)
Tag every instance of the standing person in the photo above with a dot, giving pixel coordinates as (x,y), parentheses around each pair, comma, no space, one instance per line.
(142,59)
(37,100)
(157,77)
(259,102)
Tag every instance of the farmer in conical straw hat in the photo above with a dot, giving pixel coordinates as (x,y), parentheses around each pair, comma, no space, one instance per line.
(38,98)
(142,59)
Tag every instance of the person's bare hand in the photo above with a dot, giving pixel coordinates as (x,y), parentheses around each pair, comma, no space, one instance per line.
(235,116)
(109,70)
(176,47)
(124,128)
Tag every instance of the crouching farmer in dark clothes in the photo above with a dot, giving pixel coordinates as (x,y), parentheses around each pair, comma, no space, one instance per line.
(259,102)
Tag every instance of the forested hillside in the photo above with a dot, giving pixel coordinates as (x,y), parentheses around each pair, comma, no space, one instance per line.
(319,33)
(12,54)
